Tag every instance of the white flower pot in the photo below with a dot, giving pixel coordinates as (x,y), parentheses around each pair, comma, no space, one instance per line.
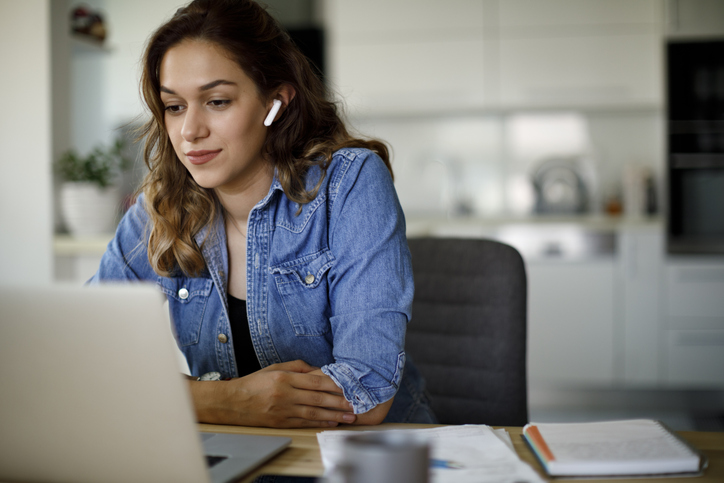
(88,209)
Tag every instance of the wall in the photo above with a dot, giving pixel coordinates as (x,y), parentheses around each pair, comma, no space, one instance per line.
(103,88)
(111,79)
(25,137)
(481,164)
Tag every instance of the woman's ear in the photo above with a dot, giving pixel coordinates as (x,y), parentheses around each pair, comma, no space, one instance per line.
(285,94)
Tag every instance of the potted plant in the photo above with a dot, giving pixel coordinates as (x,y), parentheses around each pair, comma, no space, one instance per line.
(89,194)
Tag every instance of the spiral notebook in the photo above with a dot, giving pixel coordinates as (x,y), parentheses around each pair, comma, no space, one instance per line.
(613,448)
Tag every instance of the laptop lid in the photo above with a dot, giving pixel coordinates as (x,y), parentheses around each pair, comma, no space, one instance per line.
(90,390)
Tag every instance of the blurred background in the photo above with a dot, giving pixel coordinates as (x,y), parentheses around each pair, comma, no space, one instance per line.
(586,133)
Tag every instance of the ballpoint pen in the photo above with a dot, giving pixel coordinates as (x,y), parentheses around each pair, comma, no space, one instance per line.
(435,463)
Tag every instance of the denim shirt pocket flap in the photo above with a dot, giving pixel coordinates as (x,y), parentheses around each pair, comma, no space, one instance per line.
(305,273)
(303,287)
(187,299)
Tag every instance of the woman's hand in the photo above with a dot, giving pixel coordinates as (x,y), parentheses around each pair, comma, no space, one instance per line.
(374,416)
(287,395)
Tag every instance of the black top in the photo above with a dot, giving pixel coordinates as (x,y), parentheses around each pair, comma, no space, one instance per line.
(246,361)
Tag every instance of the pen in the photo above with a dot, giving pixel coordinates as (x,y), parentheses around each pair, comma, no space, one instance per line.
(445,464)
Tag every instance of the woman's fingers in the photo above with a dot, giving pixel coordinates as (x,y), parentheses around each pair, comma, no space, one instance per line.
(311,397)
(317,391)
(283,395)
(316,413)
(314,382)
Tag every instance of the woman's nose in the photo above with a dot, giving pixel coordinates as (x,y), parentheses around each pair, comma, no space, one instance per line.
(194,126)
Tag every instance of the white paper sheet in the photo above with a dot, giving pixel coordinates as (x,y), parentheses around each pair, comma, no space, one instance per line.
(485,455)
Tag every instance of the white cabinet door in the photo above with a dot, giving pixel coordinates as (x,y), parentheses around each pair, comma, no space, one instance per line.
(398,19)
(410,57)
(694,308)
(641,270)
(591,71)
(597,53)
(581,15)
(409,77)
(687,19)
(571,323)
(695,293)
(407,56)
(695,359)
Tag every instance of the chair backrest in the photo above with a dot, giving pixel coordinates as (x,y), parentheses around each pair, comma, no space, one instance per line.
(467,335)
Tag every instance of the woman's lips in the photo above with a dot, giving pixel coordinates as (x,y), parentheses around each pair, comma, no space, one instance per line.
(201,157)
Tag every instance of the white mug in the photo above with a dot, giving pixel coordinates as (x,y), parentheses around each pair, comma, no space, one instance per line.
(382,457)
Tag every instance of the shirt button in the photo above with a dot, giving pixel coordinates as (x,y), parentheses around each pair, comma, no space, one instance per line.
(309,279)
(221,274)
(223,339)
(183,294)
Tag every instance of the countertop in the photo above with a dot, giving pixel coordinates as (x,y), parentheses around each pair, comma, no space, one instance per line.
(530,234)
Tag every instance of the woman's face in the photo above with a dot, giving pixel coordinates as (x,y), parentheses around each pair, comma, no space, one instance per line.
(214,116)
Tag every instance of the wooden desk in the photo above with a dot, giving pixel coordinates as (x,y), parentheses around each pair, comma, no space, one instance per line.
(303,458)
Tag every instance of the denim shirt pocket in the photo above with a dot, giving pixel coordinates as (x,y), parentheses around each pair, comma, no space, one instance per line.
(187,299)
(304,289)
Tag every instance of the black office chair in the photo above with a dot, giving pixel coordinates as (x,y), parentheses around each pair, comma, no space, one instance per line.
(467,335)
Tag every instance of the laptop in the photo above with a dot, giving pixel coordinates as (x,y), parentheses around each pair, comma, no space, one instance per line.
(90,391)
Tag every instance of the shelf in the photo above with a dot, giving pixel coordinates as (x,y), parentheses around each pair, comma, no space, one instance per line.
(84,44)
(69,246)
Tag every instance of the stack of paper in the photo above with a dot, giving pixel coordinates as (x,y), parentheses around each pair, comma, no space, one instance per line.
(460,454)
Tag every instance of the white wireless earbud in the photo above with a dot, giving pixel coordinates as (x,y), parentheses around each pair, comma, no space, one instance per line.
(273,113)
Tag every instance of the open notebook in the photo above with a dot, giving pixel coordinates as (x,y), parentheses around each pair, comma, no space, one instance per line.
(638,447)
(90,391)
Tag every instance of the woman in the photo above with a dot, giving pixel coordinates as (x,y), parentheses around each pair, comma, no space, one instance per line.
(276,236)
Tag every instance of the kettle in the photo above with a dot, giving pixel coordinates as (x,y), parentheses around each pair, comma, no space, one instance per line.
(560,187)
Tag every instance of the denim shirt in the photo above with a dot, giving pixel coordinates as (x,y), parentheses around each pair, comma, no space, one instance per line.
(332,285)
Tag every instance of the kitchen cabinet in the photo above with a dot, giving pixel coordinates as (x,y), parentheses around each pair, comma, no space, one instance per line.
(426,57)
(407,56)
(571,323)
(694,316)
(594,53)
(593,71)
(688,19)
(639,272)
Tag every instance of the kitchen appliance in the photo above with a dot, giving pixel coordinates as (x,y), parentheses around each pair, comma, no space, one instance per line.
(560,187)
(695,91)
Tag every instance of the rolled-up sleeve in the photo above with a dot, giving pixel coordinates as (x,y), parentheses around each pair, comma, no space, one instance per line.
(371,285)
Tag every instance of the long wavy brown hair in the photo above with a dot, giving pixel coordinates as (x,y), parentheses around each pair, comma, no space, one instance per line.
(307,135)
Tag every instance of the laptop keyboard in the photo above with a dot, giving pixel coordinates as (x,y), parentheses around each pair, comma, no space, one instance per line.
(212,461)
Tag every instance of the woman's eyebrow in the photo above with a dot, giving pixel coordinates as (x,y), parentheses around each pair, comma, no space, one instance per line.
(204,87)
(215,83)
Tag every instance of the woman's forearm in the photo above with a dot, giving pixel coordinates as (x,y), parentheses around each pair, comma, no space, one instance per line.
(375,415)
(280,396)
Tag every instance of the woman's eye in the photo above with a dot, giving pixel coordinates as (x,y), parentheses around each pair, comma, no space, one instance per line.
(219,102)
(173,108)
